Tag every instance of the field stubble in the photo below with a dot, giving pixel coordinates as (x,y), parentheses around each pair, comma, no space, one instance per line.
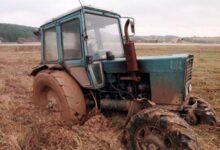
(24,127)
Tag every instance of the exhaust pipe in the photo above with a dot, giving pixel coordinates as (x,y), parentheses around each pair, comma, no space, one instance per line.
(130,54)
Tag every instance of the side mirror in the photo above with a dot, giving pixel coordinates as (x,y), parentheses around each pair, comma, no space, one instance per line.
(89,59)
(36,32)
(132,26)
(131,23)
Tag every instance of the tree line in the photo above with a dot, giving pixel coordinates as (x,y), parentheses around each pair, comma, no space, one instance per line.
(12,32)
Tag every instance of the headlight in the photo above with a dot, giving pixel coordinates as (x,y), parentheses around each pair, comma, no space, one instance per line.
(186,90)
(190,88)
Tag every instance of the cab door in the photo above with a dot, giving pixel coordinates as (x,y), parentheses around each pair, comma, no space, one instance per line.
(71,49)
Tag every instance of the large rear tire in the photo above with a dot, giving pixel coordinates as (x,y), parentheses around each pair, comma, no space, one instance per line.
(57,91)
(157,129)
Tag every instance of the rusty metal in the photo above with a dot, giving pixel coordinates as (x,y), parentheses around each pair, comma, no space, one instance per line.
(130,106)
(130,54)
(131,78)
(125,105)
(122,105)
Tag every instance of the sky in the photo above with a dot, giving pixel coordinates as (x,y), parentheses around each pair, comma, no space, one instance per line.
(152,17)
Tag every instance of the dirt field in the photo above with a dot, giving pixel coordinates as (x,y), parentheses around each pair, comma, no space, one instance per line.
(24,127)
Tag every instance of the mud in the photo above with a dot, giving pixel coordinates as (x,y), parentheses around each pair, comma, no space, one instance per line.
(22,126)
(48,132)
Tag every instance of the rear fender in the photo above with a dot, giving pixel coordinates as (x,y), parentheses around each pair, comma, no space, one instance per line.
(52,67)
(39,68)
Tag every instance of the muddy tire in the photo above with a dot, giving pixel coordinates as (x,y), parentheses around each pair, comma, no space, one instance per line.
(159,129)
(204,113)
(57,91)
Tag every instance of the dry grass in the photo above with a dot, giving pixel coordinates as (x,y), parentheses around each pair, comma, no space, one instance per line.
(24,127)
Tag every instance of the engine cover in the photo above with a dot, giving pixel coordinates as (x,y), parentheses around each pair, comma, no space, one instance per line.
(168,77)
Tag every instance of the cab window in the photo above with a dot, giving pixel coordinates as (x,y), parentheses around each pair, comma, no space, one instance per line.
(50,45)
(71,39)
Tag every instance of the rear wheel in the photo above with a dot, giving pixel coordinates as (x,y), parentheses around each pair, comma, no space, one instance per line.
(56,91)
(157,129)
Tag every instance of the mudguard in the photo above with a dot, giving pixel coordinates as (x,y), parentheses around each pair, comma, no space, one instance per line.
(39,68)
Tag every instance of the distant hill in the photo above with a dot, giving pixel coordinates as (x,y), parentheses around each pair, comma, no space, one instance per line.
(20,34)
(176,39)
(208,40)
(14,33)
(155,38)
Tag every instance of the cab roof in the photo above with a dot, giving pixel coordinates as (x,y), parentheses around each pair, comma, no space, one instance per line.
(84,7)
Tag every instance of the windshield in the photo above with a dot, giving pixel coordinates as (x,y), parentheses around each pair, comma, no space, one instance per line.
(103,36)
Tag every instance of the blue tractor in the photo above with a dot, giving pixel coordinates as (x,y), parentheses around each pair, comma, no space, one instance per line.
(86,62)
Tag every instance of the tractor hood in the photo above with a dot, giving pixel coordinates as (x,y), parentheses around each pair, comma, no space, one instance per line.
(149,64)
(170,76)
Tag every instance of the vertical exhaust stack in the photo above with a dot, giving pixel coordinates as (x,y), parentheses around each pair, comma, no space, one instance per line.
(130,54)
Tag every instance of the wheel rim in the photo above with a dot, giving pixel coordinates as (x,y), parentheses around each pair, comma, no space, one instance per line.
(50,103)
(151,138)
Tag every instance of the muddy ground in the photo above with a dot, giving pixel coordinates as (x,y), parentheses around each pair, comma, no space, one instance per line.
(22,126)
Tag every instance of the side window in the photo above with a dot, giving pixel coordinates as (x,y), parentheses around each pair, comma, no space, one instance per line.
(50,45)
(71,39)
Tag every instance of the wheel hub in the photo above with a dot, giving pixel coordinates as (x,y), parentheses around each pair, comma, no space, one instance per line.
(151,139)
(155,143)
(152,146)
(52,102)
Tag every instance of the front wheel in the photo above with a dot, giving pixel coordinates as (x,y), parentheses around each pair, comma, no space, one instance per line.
(157,129)
(204,112)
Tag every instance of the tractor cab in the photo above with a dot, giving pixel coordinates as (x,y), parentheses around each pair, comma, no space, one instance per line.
(80,40)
